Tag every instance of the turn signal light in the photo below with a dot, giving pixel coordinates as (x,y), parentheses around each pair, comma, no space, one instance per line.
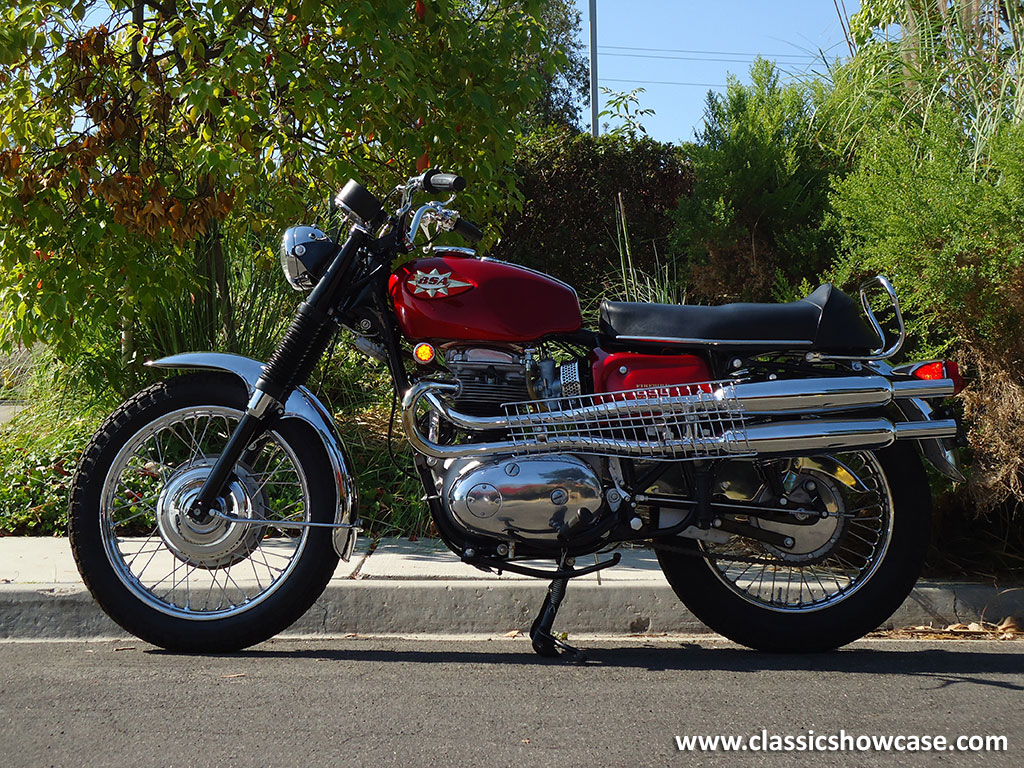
(424,353)
(941,369)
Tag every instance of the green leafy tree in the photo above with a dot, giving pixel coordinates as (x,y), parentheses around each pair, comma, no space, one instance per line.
(754,226)
(562,68)
(137,137)
(916,56)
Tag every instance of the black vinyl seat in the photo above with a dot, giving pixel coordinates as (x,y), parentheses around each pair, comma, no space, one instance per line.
(826,321)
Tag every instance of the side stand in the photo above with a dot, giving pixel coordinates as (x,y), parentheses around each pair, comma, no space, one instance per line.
(544,643)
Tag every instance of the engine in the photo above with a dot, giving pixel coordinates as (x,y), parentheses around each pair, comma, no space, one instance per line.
(555,496)
(535,498)
(489,377)
(492,376)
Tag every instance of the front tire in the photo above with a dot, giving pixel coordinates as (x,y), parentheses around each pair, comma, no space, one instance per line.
(213,587)
(840,592)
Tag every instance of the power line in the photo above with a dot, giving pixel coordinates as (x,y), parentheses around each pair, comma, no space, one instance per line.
(661,82)
(685,58)
(710,53)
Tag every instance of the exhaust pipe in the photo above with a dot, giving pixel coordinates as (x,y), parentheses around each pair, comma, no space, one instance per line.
(828,395)
(794,438)
(701,425)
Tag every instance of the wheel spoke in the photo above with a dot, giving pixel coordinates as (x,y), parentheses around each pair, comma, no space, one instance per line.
(194,568)
(826,563)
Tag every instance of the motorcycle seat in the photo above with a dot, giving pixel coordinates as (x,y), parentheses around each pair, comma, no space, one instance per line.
(827,321)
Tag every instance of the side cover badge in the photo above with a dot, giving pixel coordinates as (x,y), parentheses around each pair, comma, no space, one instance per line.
(436,283)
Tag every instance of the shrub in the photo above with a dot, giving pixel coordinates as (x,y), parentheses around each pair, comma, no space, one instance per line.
(570,184)
(756,223)
(948,233)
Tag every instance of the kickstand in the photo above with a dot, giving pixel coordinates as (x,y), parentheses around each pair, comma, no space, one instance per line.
(544,643)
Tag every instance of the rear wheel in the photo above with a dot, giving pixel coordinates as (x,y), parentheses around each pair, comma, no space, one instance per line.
(849,568)
(185,585)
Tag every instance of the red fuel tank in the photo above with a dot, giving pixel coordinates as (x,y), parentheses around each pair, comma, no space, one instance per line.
(461,298)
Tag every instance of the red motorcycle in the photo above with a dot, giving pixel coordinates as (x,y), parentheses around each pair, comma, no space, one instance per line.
(766,452)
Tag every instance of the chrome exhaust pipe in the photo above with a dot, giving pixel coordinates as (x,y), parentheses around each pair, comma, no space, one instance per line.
(808,437)
(829,395)
(761,398)
(550,431)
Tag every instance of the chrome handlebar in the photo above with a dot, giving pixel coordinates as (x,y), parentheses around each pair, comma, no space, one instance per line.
(431,213)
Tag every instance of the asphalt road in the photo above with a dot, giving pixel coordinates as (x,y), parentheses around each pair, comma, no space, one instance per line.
(381,702)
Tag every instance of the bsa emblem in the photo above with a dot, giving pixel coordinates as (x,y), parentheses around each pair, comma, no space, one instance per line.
(436,283)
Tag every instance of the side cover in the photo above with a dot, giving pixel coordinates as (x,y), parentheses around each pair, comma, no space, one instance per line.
(302,405)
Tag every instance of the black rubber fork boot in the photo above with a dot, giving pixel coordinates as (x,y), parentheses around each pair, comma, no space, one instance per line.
(544,643)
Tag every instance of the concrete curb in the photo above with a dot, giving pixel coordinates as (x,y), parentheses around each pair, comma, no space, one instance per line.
(404,606)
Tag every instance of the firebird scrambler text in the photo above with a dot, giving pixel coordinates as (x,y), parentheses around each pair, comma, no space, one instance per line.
(839,742)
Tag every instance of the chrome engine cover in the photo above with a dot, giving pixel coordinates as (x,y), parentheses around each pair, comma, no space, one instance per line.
(523,499)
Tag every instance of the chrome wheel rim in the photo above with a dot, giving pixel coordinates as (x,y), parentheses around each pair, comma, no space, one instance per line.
(210,570)
(836,556)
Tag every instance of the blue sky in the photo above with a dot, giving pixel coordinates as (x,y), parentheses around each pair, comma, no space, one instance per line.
(700,42)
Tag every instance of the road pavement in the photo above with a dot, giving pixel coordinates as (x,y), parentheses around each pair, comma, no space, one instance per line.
(393,702)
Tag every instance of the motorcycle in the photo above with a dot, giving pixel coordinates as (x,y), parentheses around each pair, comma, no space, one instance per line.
(768,453)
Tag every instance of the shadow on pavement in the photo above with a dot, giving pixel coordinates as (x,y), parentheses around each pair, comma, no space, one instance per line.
(946,667)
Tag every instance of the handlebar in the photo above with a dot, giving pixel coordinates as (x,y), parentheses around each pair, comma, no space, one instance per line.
(468,230)
(435,181)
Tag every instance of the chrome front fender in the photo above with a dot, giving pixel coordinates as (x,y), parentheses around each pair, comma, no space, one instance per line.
(304,406)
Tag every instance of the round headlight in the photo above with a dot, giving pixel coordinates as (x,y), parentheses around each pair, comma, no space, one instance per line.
(305,254)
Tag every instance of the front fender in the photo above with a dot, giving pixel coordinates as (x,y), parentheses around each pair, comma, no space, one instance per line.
(302,405)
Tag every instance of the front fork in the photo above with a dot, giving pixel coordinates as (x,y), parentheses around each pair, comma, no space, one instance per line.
(289,367)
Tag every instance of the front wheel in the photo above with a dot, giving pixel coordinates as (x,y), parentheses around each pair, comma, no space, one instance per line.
(184,585)
(845,574)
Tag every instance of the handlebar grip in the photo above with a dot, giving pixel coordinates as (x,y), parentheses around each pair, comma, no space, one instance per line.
(435,181)
(468,230)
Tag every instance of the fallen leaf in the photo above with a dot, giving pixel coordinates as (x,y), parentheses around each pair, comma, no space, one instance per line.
(1009,624)
(513,633)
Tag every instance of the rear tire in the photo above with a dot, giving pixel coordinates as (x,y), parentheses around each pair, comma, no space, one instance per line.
(228,585)
(764,623)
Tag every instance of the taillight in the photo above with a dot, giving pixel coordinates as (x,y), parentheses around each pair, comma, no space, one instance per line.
(941,369)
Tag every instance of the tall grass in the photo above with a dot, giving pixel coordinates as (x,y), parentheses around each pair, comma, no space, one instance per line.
(963,55)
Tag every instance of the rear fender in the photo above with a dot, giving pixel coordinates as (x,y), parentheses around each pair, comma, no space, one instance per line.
(940,452)
(302,405)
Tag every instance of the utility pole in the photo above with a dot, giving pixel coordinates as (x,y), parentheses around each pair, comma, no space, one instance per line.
(594,94)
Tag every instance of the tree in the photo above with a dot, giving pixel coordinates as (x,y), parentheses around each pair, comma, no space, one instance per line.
(136,135)
(755,225)
(562,68)
(962,54)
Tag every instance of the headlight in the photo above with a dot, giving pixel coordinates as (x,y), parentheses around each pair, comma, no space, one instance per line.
(305,254)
